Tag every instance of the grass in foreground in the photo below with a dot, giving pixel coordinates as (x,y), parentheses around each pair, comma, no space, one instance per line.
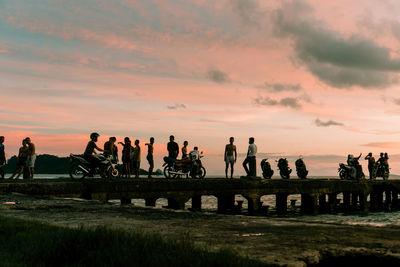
(29,243)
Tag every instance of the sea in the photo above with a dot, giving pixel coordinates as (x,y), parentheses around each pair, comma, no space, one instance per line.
(209,205)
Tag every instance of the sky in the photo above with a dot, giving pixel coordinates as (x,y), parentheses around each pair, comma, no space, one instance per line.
(304,77)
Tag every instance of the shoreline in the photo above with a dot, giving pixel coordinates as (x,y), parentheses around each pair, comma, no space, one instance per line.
(278,241)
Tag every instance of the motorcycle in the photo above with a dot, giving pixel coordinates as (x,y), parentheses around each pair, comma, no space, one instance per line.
(351,171)
(80,167)
(301,169)
(284,169)
(266,169)
(185,167)
(381,171)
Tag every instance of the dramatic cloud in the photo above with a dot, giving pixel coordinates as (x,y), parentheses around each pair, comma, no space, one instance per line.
(337,60)
(320,123)
(218,76)
(279,87)
(177,106)
(284,102)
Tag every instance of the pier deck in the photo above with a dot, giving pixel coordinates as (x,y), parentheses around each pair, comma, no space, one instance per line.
(317,195)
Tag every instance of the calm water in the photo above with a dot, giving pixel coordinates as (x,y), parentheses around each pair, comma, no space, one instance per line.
(209,204)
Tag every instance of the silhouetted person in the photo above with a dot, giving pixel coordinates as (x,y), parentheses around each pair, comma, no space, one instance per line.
(149,157)
(30,161)
(230,156)
(136,159)
(371,165)
(90,152)
(173,148)
(251,159)
(184,150)
(126,156)
(109,149)
(2,157)
(21,160)
(386,161)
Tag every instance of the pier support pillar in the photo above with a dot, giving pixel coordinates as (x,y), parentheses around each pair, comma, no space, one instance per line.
(332,199)
(379,200)
(176,204)
(388,200)
(354,200)
(281,203)
(150,202)
(196,203)
(346,200)
(363,202)
(395,199)
(125,201)
(323,206)
(253,204)
(309,204)
(226,203)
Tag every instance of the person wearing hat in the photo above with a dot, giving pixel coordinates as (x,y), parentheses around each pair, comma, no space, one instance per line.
(90,152)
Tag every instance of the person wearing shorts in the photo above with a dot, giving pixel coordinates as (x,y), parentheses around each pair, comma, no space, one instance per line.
(30,161)
(149,157)
(230,156)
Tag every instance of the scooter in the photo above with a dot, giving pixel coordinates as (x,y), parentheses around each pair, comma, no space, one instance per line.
(284,169)
(266,169)
(80,167)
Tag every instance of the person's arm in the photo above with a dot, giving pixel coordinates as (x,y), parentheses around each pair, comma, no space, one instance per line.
(235,153)
(98,148)
(121,143)
(225,154)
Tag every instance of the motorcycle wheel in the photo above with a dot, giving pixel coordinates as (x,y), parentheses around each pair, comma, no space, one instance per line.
(112,173)
(342,175)
(76,173)
(385,176)
(201,173)
(167,172)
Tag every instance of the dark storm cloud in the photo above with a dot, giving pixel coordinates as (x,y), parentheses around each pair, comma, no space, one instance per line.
(280,87)
(328,123)
(335,59)
(177,106)
(284,102)
(218,76)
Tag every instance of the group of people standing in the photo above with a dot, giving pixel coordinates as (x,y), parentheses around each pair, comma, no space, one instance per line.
(249,164)
(25,160)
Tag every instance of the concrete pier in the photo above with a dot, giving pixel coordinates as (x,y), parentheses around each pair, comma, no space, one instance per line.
(317,195)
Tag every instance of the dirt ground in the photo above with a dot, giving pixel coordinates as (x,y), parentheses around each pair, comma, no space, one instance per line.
(277,241)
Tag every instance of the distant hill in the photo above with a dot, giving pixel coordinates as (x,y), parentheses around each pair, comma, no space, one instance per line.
(50,164)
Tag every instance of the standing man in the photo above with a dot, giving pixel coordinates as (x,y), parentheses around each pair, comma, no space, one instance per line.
(109,149)
(251,159)
(2,157)
(136,158)
(30,162)
(371,165)
(173,148)
(150,159)
(230,156)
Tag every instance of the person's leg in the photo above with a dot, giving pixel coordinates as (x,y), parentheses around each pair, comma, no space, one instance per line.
(245,162)
(232,163)
(252,166)
(2,172)
(137,169)
(226,168)
(21,170)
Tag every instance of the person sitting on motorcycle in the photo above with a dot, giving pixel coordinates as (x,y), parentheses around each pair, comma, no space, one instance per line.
(351,166)
(90,152)
(194,154)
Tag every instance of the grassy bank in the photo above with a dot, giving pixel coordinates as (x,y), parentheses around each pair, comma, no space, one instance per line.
(29,243)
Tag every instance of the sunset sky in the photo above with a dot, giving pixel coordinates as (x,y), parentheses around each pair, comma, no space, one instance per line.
(316,78)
